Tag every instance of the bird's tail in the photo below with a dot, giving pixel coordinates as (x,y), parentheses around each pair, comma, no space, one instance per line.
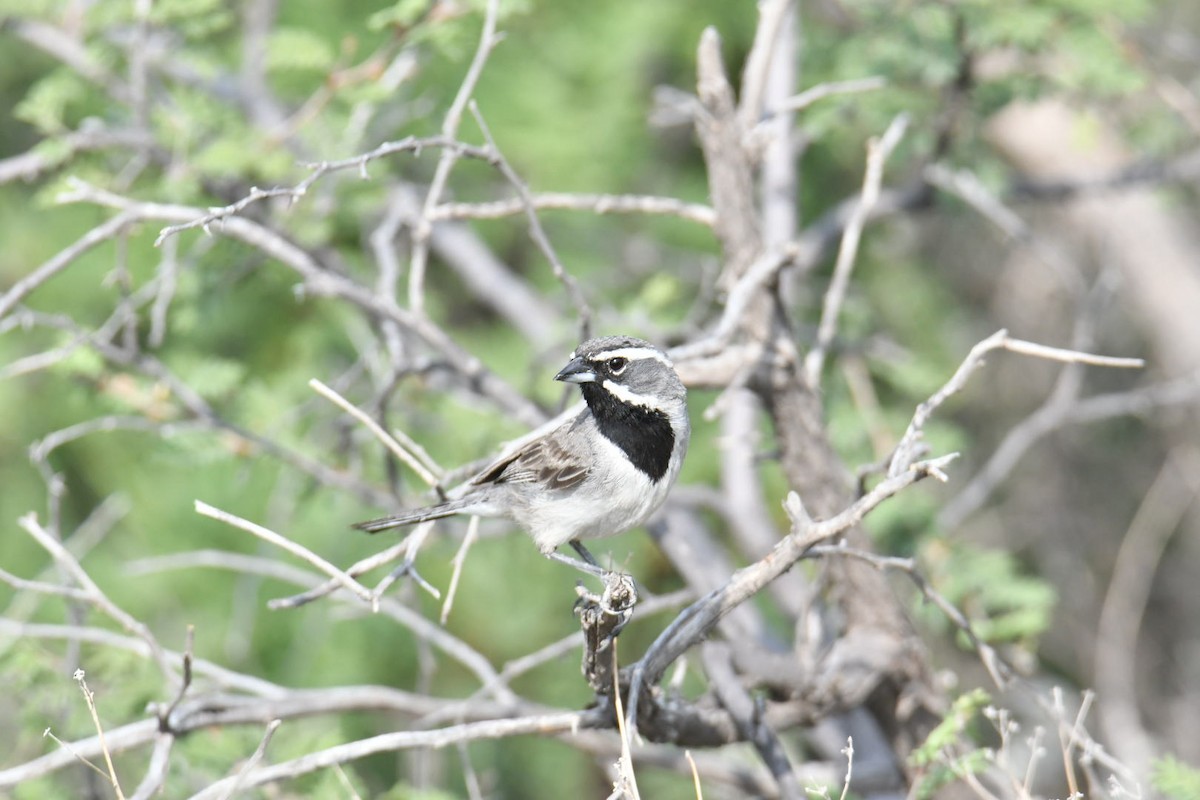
(447,509)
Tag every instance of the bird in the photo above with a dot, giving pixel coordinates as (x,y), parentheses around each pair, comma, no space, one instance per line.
(603,471)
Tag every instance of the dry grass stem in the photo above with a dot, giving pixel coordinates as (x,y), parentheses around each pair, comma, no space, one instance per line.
(90,699)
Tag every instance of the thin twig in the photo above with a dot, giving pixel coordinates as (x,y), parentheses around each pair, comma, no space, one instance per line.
(695,622)
(90,698)
(878,150)
(253,761)
(74,753)
(322,281)
(592,203)
(344,580)
(398,450)
(813,94)
(410,144)
(537,232)
(488,39)
(41,587)
(354,570)
(460,558)
(545,724)
(1000,340)
(411,619)
(412,545)
(848,751)
(96,597)
(1050,417)
(695,775)
(63,259)
(185,682)
(79,633)
(997,668)
(628,779)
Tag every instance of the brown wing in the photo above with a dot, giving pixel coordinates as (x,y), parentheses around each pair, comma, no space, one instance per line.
(545,461)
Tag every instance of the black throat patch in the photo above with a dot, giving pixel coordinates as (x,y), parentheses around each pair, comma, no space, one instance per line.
(644,434)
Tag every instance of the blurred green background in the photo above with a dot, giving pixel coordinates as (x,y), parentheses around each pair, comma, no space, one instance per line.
(567,95)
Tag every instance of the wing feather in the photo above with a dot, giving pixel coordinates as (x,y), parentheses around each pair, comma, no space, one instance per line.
(548,461)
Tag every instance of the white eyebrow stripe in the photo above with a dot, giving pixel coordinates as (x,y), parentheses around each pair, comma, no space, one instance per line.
(635,354)
(623,394)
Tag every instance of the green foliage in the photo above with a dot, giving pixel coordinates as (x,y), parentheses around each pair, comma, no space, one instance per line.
(47,102)
(1175,779)
(948,754)
(1093,64)
(401,14)
(404,791)
(296,48)
(195,19)
(1003,603)
(566,94)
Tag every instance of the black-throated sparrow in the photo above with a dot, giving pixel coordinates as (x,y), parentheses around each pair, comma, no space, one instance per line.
(601,472)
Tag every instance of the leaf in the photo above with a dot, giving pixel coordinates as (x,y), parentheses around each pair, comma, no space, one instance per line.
(82,362)
(45,104)
(298,49)
(950,729)
(212,377)
(1003,603)
(1024,26)
(195,19)
(1175,779)
(402,14)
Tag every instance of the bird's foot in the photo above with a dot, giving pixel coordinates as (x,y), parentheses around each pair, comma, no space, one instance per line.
(602,617)
(619,597)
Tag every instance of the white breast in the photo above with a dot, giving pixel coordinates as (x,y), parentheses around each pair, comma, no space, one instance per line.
(615,497)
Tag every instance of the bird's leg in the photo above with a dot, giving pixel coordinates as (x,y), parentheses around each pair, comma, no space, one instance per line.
(589,566)
(620,592)
(584,553)
(616,584)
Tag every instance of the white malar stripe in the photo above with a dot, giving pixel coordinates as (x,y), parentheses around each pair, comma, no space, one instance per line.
(634,354)
(625,395)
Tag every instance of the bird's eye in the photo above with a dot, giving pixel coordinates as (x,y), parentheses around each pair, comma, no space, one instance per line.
(617,365)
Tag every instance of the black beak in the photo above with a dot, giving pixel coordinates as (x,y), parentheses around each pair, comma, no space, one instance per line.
(576,371)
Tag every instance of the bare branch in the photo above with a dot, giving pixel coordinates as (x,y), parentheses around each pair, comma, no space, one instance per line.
(1000,340)
(410,144)
(488,39)
(1054,415)
(282,542)
(694,623)
(414,463)
(156,772)
(878,151)
(593,203)
(537,232)
(1173,492)
(772,14)
(253,761)
(322,281)
(420,626)
(547,724)
(96,596)
(719,668)
(63,259)
(819,92)
(460,558)
(90,698)
(79,633)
